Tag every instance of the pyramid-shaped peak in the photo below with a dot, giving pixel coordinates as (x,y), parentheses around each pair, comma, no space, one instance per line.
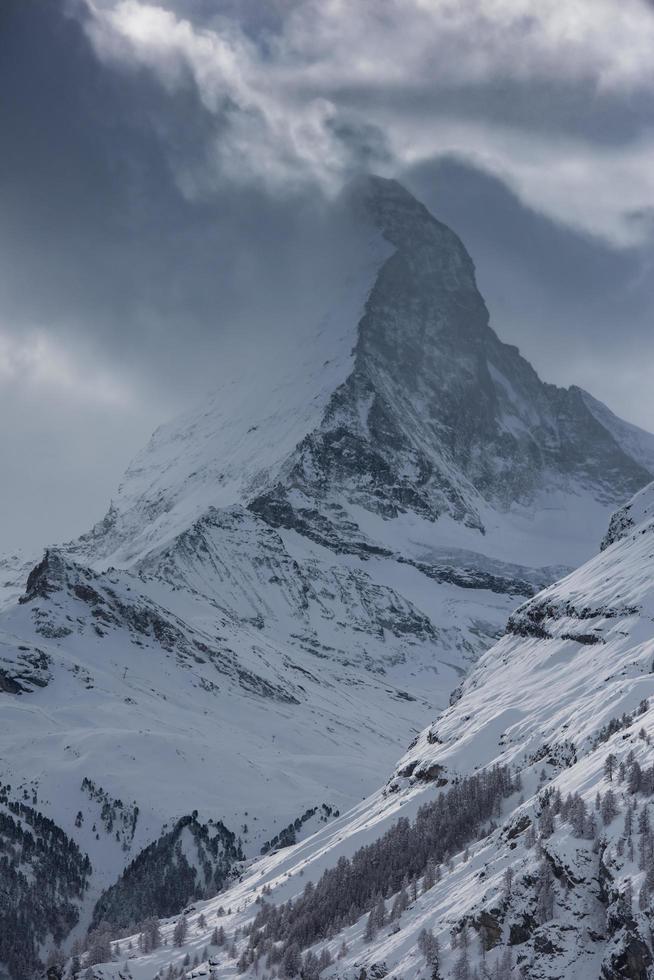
(386,190)
(399,215)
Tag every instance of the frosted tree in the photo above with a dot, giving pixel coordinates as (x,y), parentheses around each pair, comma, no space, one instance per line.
(371,927)
(609,808)
(628,821)
(628,895)
(635,777)
(507,882)
(150,937)
(98,946)
(429,947)
(545,892)
(291,961)
(429,877)
(324,960)
(546,822)
(400,904)
(180,931)
(461,969)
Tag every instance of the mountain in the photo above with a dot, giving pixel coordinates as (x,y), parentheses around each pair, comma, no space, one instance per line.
(294,577)
(401,415)
(515,837)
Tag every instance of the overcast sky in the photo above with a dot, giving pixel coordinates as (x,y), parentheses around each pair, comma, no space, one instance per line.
(166,176)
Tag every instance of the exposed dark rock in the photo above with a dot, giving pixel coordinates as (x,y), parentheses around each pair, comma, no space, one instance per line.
(518,827)
(45,578)
(544,946)
(472,578)
(9,684)
(631,961)
(522,930)
(588,639)
(29,668)
(489,928)
(431,773)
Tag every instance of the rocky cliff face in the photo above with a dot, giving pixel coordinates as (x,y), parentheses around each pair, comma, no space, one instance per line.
(439,417)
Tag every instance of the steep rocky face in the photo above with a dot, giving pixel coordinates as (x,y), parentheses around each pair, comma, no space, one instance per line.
(438,416)
(639,510)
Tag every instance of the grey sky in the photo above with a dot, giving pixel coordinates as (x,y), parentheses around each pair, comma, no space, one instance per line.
(166,173)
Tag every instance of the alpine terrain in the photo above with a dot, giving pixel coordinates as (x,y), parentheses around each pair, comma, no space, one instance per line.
(515,837)
(202,695)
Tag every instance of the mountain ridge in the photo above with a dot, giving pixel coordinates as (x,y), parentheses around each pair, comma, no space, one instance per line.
(428,412)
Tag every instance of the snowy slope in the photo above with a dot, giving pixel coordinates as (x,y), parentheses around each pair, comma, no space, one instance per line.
(14,570)
(636,441)
(235,442)
(569,685)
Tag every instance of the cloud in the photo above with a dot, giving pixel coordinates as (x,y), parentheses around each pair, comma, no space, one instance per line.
(599,189)
(336,86)
(69,427)
(261,133)
(37,363)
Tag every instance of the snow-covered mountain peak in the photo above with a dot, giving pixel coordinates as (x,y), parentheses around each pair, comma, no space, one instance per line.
(399,403)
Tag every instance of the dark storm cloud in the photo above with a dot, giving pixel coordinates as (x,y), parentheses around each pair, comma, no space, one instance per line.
(166,176)
(99,242)
(549,106)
